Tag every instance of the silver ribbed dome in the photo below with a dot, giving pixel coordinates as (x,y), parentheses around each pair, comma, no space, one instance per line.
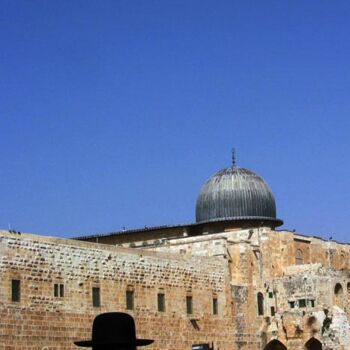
(236,194)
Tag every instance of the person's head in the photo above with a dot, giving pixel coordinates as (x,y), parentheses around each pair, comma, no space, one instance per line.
(113,331)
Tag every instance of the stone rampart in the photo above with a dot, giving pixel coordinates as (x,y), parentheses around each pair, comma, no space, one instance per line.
(45,319)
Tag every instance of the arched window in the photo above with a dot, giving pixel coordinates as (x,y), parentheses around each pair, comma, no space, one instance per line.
(299,259)
(338,289)
(275,345)
(260,300)
(338,295)
(313,344)
(342,260)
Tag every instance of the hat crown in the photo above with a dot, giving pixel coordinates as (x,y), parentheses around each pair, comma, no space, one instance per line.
(113,326)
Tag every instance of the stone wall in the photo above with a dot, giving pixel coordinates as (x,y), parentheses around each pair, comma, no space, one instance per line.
(285,268)
(42,321)
(306,307)
(233,266)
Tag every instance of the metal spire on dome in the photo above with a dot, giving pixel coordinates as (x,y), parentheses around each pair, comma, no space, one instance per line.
(233,157)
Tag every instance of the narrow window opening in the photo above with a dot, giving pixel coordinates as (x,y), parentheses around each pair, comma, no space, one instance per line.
(58,290)
(16,290)
(161,302)
(96,297)
(189,304)
(292,304)
(338,294)
(215,306)
(260,299)
(130,300)
(302,302)
(273,311)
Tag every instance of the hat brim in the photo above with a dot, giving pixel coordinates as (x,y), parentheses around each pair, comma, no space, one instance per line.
(136,342)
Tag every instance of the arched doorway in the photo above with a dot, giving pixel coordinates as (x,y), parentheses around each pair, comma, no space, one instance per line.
(313,344)
(275,345)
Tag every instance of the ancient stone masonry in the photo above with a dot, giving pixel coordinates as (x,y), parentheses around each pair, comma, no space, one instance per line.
(303,294)
(296,282)
(42,320)
(306,307)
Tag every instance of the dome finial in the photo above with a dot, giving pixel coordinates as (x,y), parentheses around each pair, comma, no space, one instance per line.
(233,157)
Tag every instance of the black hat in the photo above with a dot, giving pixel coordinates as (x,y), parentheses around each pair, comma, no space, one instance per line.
(113,328)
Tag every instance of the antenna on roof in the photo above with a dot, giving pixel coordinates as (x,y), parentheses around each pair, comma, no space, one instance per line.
(233,157)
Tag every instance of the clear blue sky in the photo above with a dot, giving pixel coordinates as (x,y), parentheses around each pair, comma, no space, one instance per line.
(114,113)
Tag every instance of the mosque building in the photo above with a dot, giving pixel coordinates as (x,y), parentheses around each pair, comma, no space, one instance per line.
(229,281)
